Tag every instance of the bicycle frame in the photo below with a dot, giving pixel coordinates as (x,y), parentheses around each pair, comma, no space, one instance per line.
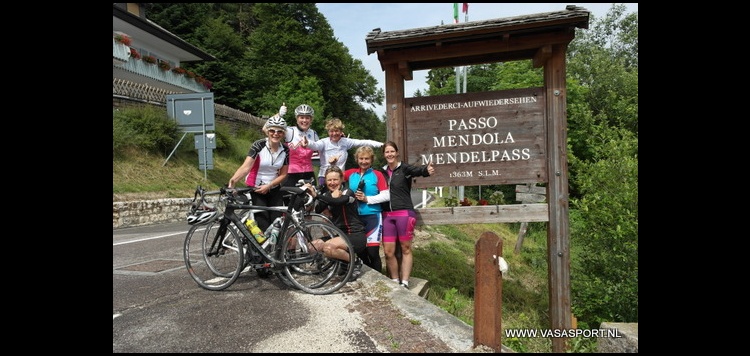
(292,218)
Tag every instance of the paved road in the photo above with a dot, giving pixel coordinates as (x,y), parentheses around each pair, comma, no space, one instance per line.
(157,307)
(416,197)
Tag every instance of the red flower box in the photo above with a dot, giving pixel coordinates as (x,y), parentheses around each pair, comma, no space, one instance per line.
(123,38)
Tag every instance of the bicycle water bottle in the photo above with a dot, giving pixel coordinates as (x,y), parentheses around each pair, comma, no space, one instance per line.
(255,230)
(273,232)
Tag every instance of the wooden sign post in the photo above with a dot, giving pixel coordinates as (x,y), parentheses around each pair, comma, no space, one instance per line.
(488,291)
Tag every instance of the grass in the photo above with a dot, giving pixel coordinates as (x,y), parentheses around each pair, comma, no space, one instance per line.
(525,296)
(139,174)
(444,257)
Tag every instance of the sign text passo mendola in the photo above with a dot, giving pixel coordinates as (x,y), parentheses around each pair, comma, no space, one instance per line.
(474,139)
(482,137)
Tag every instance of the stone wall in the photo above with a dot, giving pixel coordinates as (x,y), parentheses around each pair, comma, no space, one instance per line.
(626,343)
(147,212)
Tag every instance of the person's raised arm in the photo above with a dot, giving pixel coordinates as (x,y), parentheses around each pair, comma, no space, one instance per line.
(241,172)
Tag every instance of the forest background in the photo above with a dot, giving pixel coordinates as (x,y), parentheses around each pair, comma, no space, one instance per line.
(268,54)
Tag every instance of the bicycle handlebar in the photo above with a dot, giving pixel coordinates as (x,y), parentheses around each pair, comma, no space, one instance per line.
(236,190)
(237,194)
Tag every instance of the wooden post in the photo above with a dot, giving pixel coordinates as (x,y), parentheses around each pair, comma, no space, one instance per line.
(527,194)
(521,234)
(488,291)
(558,231)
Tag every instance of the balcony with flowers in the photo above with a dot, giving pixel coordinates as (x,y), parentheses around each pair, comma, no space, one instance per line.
(127,59)
(120,52)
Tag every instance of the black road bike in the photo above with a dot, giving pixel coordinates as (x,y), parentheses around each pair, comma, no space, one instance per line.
(217,251)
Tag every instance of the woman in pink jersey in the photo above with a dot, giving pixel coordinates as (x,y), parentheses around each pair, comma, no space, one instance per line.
(297,138)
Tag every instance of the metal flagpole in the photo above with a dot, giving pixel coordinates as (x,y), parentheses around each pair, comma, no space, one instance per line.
(459,71)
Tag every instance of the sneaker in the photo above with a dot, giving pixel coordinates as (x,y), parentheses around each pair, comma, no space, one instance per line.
(405,285)
(357,270)
(343,267)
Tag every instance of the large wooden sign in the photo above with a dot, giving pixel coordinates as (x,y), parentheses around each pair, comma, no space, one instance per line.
(485,138)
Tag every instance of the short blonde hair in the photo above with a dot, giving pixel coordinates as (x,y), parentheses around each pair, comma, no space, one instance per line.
(334,124)
(365,151)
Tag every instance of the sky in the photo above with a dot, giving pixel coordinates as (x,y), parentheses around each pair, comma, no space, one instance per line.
(351,22)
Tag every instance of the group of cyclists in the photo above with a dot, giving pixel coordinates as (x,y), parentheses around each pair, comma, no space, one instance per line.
(378,211)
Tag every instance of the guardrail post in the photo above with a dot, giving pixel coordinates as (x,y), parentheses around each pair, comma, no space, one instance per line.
(488,291)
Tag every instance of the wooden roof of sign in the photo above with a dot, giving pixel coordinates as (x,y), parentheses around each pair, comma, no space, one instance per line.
(476,42)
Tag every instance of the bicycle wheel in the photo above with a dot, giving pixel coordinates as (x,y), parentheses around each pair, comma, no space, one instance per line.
(303,268)
(213,255)
(306,265)
(318,217)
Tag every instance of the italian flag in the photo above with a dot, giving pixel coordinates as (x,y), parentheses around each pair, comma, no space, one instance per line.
(455,10)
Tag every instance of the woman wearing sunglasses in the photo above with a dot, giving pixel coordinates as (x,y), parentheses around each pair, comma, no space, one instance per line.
(265,168)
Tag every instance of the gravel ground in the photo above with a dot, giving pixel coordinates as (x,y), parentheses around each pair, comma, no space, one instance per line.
(369,323)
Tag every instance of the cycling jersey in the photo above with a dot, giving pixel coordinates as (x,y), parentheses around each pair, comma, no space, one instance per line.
(328,149)
(345,216)
(399,184)
(267,164)
(375,188)
(300,158)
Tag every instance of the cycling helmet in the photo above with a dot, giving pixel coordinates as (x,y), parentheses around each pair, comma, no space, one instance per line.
(200,216)
(275,121)
(304,109)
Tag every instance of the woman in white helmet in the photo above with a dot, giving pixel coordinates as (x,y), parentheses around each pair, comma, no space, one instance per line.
(297,138)
(265,168)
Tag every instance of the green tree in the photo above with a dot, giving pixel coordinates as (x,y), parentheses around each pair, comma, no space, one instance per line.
(603,157)
(440,81)
(218,38)
(179,18)
(604,230)
(517,75)
(294,41)
(604,59)
(217,29)
(268,54)
(298,91)
(483,77)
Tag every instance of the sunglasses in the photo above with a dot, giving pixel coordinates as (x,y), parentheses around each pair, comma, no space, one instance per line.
(272,131)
